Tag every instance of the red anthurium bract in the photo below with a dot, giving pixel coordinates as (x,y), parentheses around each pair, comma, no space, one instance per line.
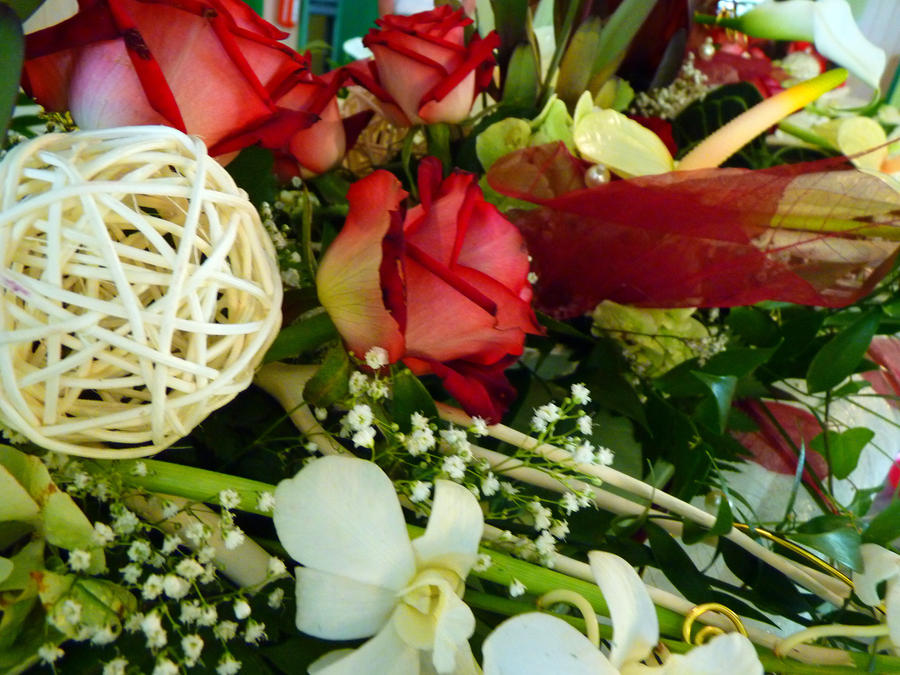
(211,68)
(442,286)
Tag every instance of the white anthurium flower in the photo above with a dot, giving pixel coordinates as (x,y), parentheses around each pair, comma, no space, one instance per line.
(534,644)
(361,575)
(880,564)
(829,24)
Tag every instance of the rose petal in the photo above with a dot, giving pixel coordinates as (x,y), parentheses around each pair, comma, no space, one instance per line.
(341,515)
(711,658)
(635,626)
(384,653)
(453,532)
(536,644)
(348,280)
(339,608)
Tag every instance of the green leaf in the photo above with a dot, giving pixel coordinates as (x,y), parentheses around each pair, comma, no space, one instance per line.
(885,527)
(330,383)
(753,326)
(722,388)
(839,357)
(833,536)
(301,337)
(12,55)
(410,396)
(521,86)
(438,138)
(724,520)
(619,31)
(16,504)
(6,568)
(737,361)
(842,449)
(252,170)
(24,8)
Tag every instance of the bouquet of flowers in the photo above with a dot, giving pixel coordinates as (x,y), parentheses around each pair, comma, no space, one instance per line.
(554,337)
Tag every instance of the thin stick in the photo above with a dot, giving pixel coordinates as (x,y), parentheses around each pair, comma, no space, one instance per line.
(654,496)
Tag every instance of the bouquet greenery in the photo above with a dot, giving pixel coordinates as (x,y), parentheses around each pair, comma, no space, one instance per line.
(546,312)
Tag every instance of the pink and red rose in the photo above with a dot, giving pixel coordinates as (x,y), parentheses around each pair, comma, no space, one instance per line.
(442,287)
(212,68)
(424,66)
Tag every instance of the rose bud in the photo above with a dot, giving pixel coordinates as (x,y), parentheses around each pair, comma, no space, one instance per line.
(424,64)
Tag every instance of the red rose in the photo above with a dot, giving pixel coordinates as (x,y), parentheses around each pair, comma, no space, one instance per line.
(443,287)
(423,63)
(212,68)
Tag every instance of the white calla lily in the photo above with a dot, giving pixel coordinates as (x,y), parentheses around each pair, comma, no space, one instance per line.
(829,24)
(362,576)
(880,564)
(533,644)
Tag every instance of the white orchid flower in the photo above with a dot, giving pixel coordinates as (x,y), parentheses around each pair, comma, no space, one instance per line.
(880,564)
(362,576)
(829,24)
(539,643)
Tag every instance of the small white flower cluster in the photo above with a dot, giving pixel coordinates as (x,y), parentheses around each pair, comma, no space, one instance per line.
(358,425)
(373,386)
(667,102)
(278,219)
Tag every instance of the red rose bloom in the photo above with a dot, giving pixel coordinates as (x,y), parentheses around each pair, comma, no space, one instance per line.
(443,287)
(423,63)
(212,68)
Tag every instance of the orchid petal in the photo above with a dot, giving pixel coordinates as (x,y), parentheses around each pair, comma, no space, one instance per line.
(711,658)
(535,644)
(384,653)
(635,626)
(839,39)
(624,146)
(892,605)
(339,608)
(879,564)
(341,515)
(454,529)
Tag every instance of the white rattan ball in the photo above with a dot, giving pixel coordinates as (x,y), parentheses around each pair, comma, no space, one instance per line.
(138,290)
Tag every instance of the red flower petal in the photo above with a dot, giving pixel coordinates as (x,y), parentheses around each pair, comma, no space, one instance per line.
(349,275)
(699,238)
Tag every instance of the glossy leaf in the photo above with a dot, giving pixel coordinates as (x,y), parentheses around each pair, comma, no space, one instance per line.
(840,356)
(521,85)
(410,396)
(706,238)
(723,524)
(833,536)
(12,55)
(722,388)
(885,527)
(329,384)
(301,337)
(842,449)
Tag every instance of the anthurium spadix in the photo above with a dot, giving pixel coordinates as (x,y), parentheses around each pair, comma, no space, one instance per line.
(361,576)
(827,23)
(534,644)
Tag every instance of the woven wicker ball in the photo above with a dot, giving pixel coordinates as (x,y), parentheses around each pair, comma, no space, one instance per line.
(138,290)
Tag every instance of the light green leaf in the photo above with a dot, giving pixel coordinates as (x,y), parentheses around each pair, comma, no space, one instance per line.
(6,568)
(16,504)
(843,448)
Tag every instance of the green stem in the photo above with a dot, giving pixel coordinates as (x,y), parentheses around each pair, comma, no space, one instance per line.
(204,485)
(805,135)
